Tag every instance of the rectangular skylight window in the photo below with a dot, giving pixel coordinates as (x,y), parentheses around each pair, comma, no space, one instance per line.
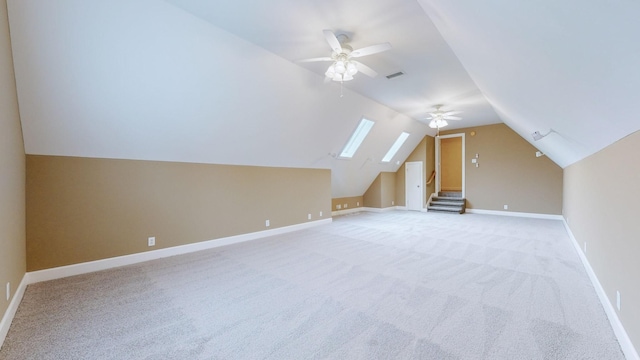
(356,138)
(395,147)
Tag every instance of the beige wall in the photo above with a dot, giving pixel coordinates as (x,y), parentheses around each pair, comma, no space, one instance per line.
(347,203)
(382,192)
(388,189)
(601,200)
(424,152)
(12,173)
(373,196)
(84,209)
(509,173)
(451,164)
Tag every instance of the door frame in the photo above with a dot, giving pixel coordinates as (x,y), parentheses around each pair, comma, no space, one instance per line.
(438,163)
(421,186)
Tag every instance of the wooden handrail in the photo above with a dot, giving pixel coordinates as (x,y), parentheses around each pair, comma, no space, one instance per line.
(433,176)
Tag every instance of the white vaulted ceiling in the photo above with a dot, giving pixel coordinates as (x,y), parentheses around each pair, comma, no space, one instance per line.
(217,82)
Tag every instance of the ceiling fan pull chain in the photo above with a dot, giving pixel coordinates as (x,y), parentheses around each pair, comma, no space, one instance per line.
(341,86)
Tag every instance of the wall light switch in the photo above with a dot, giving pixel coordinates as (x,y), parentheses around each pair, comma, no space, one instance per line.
(474,161)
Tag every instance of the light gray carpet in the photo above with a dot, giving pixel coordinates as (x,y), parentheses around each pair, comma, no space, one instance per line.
(397,285)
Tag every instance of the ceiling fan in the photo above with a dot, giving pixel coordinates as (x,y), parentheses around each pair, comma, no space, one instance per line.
(439,117)
(344,67)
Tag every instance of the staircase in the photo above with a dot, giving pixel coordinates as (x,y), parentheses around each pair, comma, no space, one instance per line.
(450,202)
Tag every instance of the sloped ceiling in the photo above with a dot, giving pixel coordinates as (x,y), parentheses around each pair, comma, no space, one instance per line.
(217,82)
(571,66)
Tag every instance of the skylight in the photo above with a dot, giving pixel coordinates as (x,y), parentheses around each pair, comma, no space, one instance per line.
(395,147)
(356,138)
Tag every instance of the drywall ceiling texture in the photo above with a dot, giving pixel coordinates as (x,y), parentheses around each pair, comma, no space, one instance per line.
(292,29)
(147,80)
(570,66)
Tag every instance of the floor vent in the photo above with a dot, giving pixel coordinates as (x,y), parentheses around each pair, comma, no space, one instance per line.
(399,73)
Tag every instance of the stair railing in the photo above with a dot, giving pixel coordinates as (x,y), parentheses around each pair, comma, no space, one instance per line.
(433,176)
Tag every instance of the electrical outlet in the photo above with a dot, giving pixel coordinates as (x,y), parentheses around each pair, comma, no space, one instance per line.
(618,300)
(393,202)
(506,207)
(151,241)
(8,291)
(267,223)
(308,216)
(345,206)
(338,206)
(320,213)
(357,203)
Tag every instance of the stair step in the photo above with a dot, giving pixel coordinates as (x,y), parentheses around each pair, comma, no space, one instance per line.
(449,209)
(452,200)
(456,194)
(446,203)
(449,204)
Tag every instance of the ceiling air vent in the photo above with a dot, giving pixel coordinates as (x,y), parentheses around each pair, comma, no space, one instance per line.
(399,73)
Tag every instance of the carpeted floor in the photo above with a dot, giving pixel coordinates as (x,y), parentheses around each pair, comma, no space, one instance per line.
(396,285)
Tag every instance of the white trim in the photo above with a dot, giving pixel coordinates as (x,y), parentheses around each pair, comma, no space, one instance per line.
(367,209)
(379,210)
(426,206)
(514,214)
(346,211)
(11,310)
(103,264)
(626,345)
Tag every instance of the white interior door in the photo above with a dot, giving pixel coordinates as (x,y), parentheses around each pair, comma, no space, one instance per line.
(414,185)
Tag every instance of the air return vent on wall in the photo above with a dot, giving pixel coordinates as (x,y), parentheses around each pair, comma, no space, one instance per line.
(394,75)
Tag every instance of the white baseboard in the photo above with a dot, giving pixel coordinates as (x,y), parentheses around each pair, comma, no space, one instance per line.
(11,310)
(347,211)
(91,266)
(515,214)
(368,209)
(380,210)
(623,338)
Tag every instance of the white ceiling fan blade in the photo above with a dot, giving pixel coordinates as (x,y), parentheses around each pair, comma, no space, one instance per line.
(326,58)
(365,69)
(332,40)
(452,113)
(451,118)
(373,49)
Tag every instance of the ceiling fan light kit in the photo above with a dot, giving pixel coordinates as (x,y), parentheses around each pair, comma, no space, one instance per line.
(341,70)
(438,123)
(439,117)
